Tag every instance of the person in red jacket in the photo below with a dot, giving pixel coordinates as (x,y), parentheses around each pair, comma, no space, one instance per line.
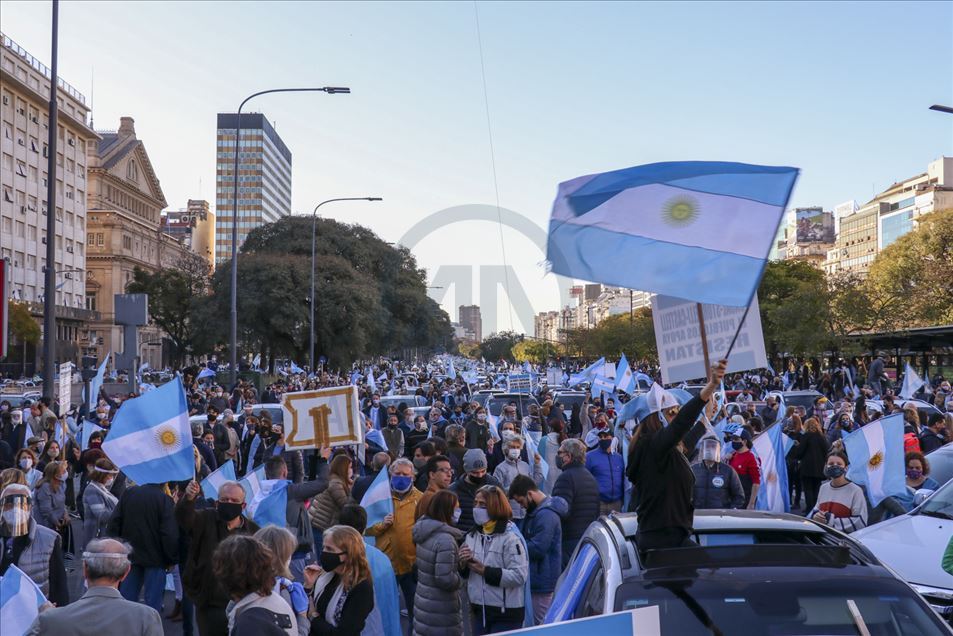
(746,465)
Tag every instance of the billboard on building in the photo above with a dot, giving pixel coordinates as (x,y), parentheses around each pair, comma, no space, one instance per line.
(814,225)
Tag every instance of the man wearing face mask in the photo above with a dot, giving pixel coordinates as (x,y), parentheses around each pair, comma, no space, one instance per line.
(31,547)
(716,483)
(207,529)
(473,478)
(437,422)
(376,413)
(478,430)
(579,488)
(394,535)
(608,467)
(218,401)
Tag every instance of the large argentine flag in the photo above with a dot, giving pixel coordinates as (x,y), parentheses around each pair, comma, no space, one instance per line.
(269,505)
(20,601)
(876,458)
(150,439)
(699,230)
(211,484)
(774,493)
(377,500)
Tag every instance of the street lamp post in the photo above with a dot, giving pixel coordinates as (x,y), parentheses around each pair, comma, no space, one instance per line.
(233,336)
(942,109)
(314,225)
(49,291)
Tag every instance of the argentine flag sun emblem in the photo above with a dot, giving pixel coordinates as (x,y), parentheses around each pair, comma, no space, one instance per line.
(681,211)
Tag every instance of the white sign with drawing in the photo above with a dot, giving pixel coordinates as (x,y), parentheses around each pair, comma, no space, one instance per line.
(324,417)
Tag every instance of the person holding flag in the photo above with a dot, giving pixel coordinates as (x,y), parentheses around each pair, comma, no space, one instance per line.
(662,480)
(841,504)
(207,528)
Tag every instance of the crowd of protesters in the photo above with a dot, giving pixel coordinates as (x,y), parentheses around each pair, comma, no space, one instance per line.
(488,508)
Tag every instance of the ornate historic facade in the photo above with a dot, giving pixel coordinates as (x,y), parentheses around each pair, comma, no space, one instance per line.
(124,232)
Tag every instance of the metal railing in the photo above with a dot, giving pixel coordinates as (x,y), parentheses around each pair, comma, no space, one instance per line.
(41,67)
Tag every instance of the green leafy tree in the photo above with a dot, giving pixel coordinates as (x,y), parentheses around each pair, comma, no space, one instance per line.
(911,278)
(499,346)
(632,335)
(173,293)
(22,325)
(534,351)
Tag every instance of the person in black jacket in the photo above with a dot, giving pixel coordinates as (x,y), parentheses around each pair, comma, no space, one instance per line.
(811,453)
(662,479)
(144,519)
(580,489)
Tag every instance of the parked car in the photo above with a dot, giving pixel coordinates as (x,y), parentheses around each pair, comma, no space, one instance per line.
(925,410)
(568,399)
(497,401)
(801,398)
(941,463)
(913,545)
(408,400)
(752,573)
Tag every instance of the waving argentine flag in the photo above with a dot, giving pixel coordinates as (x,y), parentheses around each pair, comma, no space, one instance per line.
(97,382)
(451,372)
(377,500)
(205,373)
(269,505)
(150,439)
(911,382)
(624,379)
(774,494)
(211,484)
(699,230)
(251,484)
(20,601)
(877,458)
(588,373)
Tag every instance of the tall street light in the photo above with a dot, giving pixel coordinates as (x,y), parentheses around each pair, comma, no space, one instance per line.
(49,290)
(314,224)
(233,339)
(942,109)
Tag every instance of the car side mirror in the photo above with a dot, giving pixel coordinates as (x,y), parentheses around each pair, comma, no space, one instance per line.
(920,496)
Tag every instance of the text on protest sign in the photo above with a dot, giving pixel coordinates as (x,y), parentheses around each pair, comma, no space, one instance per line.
(679,341)
(325,417)
(66,386)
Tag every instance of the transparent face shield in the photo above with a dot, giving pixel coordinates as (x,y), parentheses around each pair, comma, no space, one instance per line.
(711,450)
(14,515)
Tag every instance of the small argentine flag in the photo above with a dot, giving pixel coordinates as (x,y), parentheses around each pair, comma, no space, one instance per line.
(911,383)
(150,439)
(624,378)
(876,458)
(251,483)
(377,500)
(205,373)
(20,601)
(774,492)
(269,506)
(211,484)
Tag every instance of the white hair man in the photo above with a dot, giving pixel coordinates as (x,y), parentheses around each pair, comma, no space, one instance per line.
(102,609)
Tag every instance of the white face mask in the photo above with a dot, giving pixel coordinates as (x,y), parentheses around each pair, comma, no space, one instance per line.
(109,483)
(513,453)
(480,516)
(456,515)
(26,463)
(17,517)
(481,417)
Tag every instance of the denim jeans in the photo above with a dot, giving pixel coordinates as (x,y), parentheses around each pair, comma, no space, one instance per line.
(150,581)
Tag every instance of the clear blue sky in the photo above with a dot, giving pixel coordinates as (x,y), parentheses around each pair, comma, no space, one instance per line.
(840,90)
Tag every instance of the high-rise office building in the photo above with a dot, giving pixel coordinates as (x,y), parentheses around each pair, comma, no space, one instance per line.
(471,320)
(264,178)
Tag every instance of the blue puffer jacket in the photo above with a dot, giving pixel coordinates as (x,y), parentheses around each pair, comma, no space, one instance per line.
(609,471)
(543,531)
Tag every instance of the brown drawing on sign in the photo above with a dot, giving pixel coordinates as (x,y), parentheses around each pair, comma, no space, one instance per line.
(322,433)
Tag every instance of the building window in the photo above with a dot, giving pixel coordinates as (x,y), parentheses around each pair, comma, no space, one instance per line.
(127,242)
(99,239)
(91,239)
(8,195)
(91,305)
(132,172)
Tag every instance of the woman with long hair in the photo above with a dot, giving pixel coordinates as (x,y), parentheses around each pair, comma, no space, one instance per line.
(498,565)
(50,453)
(50,502)
(437,609)
(98,501)
(340,585)
(662,479)
(326,505)
(811,452)
(795,430)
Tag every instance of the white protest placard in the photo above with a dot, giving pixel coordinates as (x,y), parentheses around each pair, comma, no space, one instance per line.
(66,386)
(324,417)
(554,376)
(519,383)
(679,340)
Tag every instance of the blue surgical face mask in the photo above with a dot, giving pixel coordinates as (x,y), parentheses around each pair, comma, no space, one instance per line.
(401,483)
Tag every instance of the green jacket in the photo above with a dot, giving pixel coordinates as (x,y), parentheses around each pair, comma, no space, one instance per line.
(947,563)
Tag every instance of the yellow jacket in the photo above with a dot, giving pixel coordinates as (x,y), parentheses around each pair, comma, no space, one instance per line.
(395,540)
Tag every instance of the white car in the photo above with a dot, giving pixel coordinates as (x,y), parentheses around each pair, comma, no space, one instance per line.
(913,546)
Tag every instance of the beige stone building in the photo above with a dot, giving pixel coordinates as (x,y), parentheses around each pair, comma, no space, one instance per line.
(24,101)
(124,231)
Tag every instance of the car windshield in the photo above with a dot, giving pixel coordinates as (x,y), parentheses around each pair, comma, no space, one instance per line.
(806,401)
(940,505)
(495,404)
(941,464)
(776,606)
(567,401)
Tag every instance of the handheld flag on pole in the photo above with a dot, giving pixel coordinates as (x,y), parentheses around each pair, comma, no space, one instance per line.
(911,382)
(205,373)
(211,484)
(877,458)
(97,383)
(377,500)
(150,439)
(295,368)
(251,484)
(774,493)
(588,373)
(624,378)
(256,361)
(20,601)
(270,503)
(698,230)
